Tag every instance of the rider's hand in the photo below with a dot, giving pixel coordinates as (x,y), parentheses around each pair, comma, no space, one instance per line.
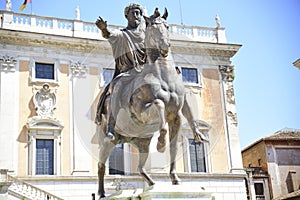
(101,24)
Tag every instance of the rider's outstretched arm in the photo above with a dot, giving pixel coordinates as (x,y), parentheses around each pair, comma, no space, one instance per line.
(102,25)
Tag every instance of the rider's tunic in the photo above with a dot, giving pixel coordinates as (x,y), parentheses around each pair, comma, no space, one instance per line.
(129,52)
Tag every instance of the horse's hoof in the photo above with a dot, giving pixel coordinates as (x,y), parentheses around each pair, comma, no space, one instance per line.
(175,180)
(148,188)
(200,138)
(109,136)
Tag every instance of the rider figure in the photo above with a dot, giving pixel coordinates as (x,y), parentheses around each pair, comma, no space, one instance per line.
(128,51)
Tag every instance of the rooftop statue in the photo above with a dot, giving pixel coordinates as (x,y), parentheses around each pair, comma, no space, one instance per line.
(8,5)
(146,94)
(77,13)
(218,21)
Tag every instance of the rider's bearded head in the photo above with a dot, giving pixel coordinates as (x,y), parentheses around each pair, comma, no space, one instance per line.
(133,14)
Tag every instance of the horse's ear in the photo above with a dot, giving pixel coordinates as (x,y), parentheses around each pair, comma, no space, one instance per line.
(147,19)
(165,14)
(156,13)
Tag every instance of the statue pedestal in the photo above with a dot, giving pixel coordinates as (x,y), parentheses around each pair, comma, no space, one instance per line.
(175,192)
(202,186)
(164,191)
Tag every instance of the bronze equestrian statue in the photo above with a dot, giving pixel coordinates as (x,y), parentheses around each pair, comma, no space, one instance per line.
(146,100)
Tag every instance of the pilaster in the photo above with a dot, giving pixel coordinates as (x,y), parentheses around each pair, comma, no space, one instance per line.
(81,124)
(9,101)
(234,149)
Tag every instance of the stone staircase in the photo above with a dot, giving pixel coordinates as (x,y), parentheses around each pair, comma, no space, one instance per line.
(25,191)
(19,189)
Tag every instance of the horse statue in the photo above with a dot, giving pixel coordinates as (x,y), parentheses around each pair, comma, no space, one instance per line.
(149,101)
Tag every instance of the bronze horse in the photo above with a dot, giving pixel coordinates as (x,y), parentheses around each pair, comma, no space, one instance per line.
(149,101)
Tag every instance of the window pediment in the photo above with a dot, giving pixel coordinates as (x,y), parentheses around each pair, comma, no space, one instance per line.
(44,123)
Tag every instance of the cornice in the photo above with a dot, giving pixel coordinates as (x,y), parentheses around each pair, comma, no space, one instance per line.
(102,46)
(11,37)
(205,48)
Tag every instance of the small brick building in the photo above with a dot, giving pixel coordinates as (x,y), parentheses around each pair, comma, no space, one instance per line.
(279,156)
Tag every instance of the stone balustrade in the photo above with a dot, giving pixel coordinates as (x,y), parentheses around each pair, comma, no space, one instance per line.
(81,29)
(22,189)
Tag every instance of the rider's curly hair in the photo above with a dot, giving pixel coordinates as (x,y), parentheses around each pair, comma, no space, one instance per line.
(132,6)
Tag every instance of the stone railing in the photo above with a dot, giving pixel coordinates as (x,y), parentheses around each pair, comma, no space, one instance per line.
(197,33)
(81,29)
(22,190)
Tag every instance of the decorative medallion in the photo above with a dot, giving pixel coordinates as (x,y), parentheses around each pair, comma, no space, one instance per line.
(44,101)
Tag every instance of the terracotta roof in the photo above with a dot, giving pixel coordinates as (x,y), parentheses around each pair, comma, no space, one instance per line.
(285,134)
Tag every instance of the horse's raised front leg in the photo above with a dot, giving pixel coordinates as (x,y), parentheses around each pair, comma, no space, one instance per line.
(174,126)
(198,135)
(143,146)
(104,152)
(161,143)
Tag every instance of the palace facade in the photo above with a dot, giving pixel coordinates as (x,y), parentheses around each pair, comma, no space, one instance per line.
(52,73)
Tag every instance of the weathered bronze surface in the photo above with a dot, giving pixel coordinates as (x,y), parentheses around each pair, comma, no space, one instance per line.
(147,96)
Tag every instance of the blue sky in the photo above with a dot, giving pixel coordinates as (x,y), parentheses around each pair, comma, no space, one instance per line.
(267,85)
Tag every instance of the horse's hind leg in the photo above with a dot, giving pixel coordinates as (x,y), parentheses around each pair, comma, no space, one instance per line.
(101,172)
(143,146)
(104,152)
(174,126)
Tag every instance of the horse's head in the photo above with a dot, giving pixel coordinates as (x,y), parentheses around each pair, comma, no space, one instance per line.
(157,33)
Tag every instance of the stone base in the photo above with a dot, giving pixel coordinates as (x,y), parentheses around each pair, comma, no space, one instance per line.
(193,186)
(163,191)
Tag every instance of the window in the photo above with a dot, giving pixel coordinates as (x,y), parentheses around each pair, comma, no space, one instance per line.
(197,156)
(116,160)
(189,75)
(44,157)
(108,75)
(44,71)
(44,147)
(259,191)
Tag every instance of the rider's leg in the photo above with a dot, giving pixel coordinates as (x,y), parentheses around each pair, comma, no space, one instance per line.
(110,134)
(100,106)
(111,122)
